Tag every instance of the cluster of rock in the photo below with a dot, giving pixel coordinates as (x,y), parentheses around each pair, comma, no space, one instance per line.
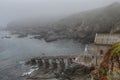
(82,26)
(60,72)
(76,72)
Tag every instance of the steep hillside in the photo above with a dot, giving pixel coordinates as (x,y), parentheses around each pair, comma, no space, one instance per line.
(116,28)
(84,25)
(81,26)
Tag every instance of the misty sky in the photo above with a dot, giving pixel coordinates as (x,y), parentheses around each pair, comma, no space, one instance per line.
(15,9)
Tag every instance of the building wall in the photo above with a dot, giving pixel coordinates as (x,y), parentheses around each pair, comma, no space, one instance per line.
(106,39)
(103,48)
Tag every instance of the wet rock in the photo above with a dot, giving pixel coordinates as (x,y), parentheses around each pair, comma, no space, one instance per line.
(46,64)
(31,62)
(53,38)
(54,64)
(22,35)
(38,37)
(76,72)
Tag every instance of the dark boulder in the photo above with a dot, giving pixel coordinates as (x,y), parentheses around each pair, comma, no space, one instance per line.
(76,72)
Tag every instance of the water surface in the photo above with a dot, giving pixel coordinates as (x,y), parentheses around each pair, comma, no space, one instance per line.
(14,50)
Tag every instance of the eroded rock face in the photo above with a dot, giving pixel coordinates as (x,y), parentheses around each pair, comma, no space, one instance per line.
(76,72)
(116,28)
(86,24)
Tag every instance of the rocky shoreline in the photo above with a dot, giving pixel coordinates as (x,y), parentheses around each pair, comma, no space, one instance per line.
(45,36)
(73,72)
(81,26)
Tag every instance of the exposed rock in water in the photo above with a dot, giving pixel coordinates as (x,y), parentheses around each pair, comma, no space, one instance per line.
(38,37)
(73,72)
(7,37)
(22,35)
(53,38)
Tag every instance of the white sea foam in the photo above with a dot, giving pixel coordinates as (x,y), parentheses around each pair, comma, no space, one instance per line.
(29,72)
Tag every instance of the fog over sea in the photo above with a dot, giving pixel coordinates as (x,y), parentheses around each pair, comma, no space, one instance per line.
(14,50)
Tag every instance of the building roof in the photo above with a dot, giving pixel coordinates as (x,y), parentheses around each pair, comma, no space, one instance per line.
(106,39)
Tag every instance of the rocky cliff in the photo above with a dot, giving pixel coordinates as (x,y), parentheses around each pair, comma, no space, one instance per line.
(82,26)
(85,25)
(116,28)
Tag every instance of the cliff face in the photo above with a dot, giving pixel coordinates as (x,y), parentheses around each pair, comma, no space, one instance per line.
(116,28)
(82,26)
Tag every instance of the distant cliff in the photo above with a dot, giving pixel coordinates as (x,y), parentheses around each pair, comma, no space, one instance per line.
(81,26)
(84,25)
(116,28)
